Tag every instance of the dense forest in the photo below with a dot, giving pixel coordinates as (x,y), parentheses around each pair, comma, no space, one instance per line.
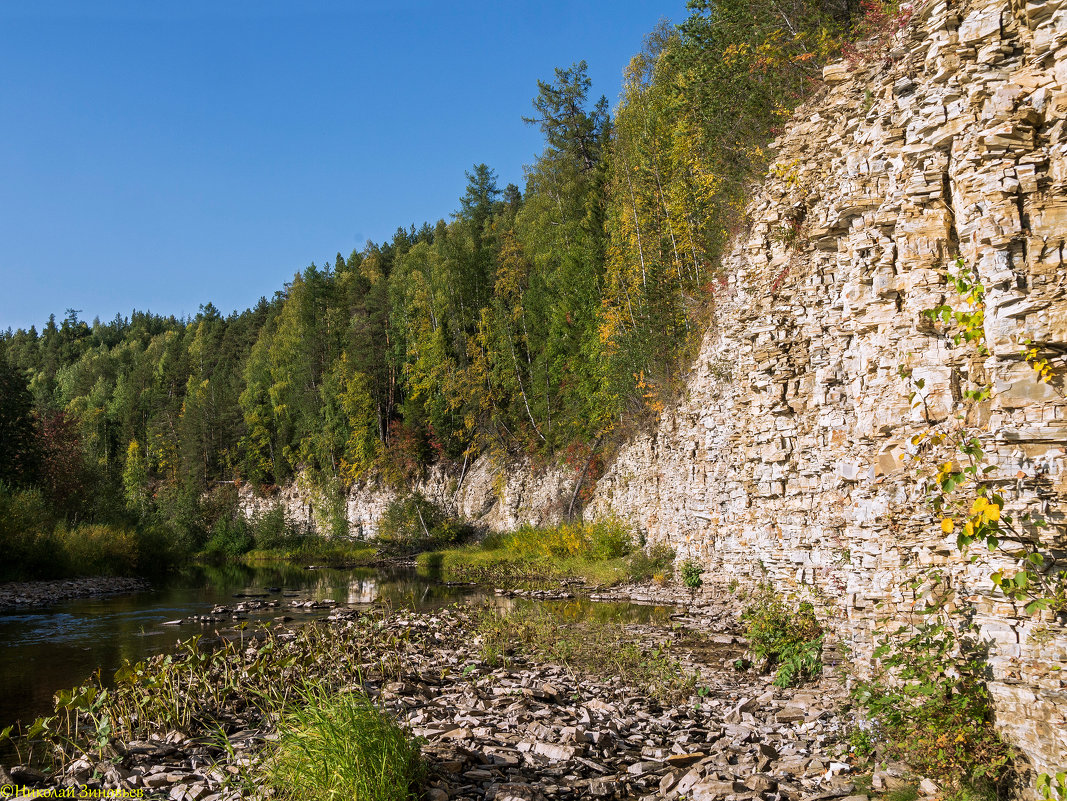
(546,321)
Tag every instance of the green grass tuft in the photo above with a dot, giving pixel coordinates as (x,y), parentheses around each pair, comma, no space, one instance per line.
(343,747)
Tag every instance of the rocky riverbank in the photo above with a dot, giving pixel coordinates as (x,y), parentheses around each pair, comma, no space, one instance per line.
(514,726)
(18,594)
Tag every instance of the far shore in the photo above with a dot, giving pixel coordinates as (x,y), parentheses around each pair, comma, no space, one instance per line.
(20,594)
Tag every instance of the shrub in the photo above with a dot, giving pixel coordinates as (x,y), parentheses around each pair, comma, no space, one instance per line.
(96,549)
(691,572)
(652,564)
(412,523)
(230,537)
(26,526)
(598,541)
(343,746)
(783,637)
(931,706)
(36,544)
(272,530)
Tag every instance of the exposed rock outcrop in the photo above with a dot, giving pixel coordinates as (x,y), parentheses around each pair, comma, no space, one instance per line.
(784,460)
(495,496)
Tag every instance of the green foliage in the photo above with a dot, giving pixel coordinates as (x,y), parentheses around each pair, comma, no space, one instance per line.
(597,540)
(788,638)
(135,479)
(37,543)
(861,742)
(691,574)
(966,325)
(931,703)
(961,492)
(647,564)
(1052,787)
(601,553)
(18,428)
(412,523)
(230,537)
(342,746)
(930,698)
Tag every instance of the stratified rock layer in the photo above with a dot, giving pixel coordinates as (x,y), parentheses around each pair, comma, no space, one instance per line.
(784,460)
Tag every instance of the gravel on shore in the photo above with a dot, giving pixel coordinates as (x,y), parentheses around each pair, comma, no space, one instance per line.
(17,594)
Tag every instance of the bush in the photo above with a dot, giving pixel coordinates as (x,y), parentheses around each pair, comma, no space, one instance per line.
(96,550)
(598,541)
(343,746)
(931,706)
(691,572)
(271,530)
(656,561)
(26,540)
(412,523)
(38,545)
(230,537)
(783,637)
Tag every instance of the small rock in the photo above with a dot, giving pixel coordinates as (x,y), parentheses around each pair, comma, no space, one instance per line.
(684,760)
(688,781)
(790,714)
(24,774)
(928,787)
(515,792)
(602,788)
(884,782)
(554,752)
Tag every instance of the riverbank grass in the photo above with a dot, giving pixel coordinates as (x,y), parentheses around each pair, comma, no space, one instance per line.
(337,746)
(319,552)
(602,553)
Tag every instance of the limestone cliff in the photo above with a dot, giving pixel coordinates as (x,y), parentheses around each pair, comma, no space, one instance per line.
(501,496)
(783,461)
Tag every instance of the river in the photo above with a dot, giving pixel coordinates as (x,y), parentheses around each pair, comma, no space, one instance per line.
(46,649)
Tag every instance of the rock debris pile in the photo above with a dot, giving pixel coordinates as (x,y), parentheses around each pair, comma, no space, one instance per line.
(528,731)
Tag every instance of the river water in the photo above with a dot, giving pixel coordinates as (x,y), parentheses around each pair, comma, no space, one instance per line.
(46,649)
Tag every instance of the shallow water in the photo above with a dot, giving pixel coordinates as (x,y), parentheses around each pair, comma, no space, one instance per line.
(46,649)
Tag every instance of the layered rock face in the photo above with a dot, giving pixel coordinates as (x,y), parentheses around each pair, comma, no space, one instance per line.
(501,497)
(783,463)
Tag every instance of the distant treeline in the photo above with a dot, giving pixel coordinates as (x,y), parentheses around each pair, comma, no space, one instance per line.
(539,321)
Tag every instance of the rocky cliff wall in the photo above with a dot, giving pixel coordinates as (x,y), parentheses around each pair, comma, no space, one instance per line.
(783,461)
(497,495)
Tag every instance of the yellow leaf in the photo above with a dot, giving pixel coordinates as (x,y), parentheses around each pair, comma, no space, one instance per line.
(947,525)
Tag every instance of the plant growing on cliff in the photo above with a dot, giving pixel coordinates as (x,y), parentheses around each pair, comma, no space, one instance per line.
(1052,787)
(691,572)
(412,523)
(960,489)
(928,696)
(783,637)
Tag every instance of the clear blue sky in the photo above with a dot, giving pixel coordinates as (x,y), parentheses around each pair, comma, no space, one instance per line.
(160,154)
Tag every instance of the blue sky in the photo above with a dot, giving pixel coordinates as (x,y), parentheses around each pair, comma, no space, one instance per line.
(160,154)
